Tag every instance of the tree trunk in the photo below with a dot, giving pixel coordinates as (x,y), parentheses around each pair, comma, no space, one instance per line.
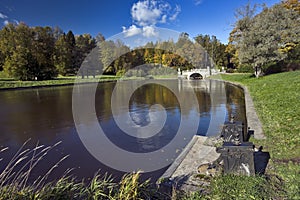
(258,72)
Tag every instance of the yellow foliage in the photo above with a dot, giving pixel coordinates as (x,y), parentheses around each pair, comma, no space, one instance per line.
(292,4)
(287,47)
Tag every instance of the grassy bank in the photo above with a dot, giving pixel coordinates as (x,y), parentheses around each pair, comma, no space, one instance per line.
(277,102)
(100,187)
(9,83)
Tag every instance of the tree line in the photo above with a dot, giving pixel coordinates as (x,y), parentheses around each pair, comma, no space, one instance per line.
(40,53)
(264,42)
(203,52)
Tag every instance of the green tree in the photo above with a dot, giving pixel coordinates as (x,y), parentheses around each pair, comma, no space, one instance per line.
(61,60)
(27,52)
(191,53)
(7,40)
(22,65)
(215,49)
(84,45)
(57,32)
(266,37)
(123,57)
(2,60)
(65,54)
(99,38)
(43,50)
(232,51)
(270,32)
(107,49)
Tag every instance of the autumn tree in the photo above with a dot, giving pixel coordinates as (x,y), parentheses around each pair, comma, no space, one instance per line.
(292,4)
(149,55)
(184,54)
(231,50)
(266,37)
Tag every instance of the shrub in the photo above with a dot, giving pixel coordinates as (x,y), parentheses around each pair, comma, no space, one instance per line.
(245,69)
(272,68)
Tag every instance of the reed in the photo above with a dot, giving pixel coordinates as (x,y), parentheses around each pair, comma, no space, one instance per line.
(15,184)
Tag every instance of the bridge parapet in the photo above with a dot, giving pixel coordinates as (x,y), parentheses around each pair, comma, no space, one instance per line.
(196,73)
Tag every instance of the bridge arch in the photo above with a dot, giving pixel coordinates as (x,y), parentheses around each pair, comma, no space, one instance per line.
(195,76)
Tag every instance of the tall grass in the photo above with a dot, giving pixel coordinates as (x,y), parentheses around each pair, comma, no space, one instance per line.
(17,172)
(14,182)
(14,178)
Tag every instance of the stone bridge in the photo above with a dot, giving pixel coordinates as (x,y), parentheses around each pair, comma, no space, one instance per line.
(196,73)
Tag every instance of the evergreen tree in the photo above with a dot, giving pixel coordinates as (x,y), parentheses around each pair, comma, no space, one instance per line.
(84,44)
(65,54)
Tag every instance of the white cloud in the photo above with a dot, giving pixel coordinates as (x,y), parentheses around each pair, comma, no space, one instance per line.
(7,20)
(16,22)
(198,2)
(2,16)
(146,14)
(163,19)
(151,12)
(177,10)
(149,31)
(131,31)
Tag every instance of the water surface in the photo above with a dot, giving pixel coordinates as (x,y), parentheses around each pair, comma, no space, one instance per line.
(45,116)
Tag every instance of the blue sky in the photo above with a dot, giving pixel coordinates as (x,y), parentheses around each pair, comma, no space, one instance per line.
(110,17)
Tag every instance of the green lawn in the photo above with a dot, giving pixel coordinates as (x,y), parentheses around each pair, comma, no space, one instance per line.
(9,83)
(277,102)
(61,80)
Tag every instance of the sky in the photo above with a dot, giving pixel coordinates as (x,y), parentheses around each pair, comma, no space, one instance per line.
(130,17)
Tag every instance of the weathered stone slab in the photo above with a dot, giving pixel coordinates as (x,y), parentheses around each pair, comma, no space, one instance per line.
(182,173)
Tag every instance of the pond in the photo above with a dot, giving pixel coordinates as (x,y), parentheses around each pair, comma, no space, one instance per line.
(160,108)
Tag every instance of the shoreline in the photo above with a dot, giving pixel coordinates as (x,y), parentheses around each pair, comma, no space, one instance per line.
(92,81)
(253,121)
(197,152)
(57,84)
